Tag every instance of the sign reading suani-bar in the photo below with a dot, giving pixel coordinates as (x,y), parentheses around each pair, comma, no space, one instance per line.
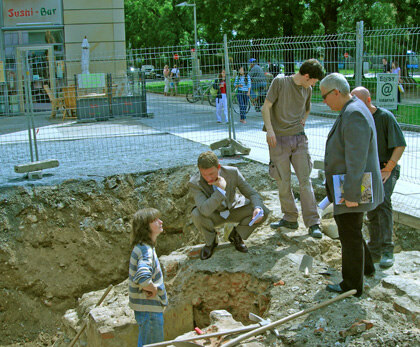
(386,90)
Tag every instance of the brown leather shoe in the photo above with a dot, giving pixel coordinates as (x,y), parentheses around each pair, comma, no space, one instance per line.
(236,240)
(207,251)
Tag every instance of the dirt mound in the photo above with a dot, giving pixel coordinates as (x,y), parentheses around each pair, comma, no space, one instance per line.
(59,242)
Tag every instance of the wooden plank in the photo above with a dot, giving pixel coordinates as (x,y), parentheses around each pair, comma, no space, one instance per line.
(406,219)
(36,166)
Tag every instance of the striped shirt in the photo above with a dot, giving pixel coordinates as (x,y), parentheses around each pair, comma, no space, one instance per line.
(242,80)
(144,269)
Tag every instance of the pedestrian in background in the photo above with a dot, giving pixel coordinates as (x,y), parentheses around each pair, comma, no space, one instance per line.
(175,77)
(397,70)
(243,86)
(146,292)
(386,66)
(221,99)
(166,76)
(258,82)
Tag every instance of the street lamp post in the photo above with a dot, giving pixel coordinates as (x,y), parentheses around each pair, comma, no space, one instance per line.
(195,61)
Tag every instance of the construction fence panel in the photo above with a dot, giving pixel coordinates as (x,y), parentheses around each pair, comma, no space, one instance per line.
(338,53)
(284,56)
(125,116)
(130,120)
(400,48)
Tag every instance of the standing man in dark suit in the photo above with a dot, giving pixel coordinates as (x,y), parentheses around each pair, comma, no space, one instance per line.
(391,146)
(351,149)
(217,202)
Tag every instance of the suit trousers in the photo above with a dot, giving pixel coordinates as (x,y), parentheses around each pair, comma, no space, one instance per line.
(355,256)
(241,215)
(381,223)
(294,149)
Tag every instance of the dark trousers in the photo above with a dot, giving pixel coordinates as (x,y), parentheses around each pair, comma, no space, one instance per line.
(381,223)
(355,256)
(243,100)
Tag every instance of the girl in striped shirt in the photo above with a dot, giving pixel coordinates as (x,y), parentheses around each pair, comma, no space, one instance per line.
(146,290)
(243,85)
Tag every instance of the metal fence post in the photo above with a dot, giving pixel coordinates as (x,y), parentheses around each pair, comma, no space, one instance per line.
(359,54)
(30,111)
(228,89)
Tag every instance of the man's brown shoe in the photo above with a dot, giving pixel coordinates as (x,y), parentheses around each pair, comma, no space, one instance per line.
(207,251)
(236,240)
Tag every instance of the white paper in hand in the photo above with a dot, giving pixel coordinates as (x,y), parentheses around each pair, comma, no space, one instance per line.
(258,215)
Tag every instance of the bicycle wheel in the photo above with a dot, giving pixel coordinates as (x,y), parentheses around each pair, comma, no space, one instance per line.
(211,99)
(235,104)
(194,96)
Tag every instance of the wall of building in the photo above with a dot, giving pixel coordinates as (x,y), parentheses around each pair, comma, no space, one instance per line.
(102,22)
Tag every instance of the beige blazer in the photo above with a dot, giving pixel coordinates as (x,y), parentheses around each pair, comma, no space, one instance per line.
(209,200)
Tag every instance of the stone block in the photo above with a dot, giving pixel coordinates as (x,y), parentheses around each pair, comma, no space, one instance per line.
(407,307)
(179,318)
(35,175)
(36,166)
(227,151)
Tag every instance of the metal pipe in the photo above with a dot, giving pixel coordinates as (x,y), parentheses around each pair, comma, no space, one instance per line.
(228,90)
(206,336)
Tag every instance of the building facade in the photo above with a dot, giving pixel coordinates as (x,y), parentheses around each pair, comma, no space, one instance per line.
(43,39)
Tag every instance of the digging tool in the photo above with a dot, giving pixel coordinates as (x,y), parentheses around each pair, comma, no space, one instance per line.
(306,264)
(261,323)
(205,336)
(260,330)
(83,327)
(255,318)
(183,344)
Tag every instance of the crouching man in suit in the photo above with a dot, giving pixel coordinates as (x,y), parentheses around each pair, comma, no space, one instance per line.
(217,202)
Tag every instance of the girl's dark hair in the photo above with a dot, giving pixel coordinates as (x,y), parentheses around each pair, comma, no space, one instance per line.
(245,73)
(140,232)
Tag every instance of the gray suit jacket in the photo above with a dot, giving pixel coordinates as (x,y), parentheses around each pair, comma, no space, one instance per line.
(209,200)
(351,149)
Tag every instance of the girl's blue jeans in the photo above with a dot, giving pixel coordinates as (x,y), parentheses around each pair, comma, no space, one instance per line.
(150,327)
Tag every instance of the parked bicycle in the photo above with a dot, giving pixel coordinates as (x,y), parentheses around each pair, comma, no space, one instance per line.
(203,93)
(252,102)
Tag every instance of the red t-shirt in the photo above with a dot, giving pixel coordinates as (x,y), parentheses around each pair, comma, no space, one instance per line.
(222,86)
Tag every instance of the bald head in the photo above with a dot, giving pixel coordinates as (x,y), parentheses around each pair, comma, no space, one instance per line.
(364,95)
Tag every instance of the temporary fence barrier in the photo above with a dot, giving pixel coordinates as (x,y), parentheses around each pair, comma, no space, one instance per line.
(130,117)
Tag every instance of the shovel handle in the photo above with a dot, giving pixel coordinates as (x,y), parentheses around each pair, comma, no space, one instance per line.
(83,327)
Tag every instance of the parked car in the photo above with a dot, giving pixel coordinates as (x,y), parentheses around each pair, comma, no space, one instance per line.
(149,71)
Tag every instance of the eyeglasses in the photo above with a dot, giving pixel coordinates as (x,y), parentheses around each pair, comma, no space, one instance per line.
(325,95)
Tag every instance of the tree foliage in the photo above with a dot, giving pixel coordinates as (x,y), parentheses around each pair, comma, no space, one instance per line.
(152,23)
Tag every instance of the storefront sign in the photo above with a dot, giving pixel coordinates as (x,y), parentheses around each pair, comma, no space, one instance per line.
(29,12)
(386,90)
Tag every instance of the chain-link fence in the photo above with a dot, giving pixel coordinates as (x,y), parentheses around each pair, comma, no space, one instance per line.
(156,107)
